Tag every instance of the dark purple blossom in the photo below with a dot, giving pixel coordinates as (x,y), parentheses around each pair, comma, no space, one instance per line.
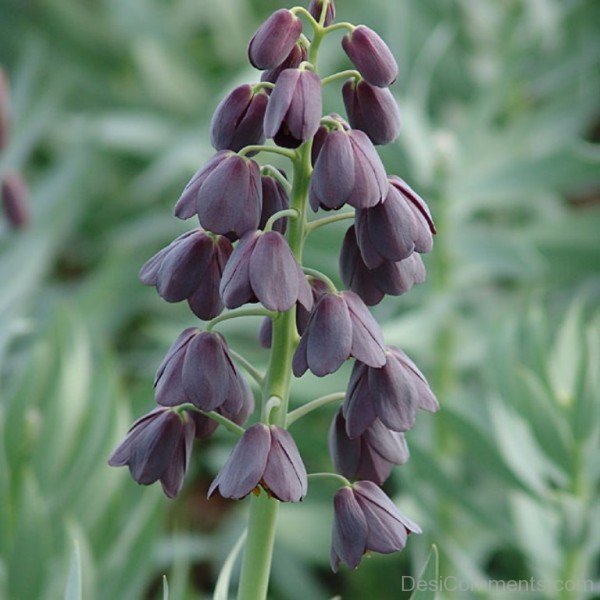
(395,228)
(294,109)
(315,8)
(371,56)
(267,457)
(370,456)
(372,110)
(15,201)
(318,288)
(297,56)
(340,326)
(263,269)
(366,520)
(393,278)
(348,170)
(274,199)
(190,268)
(157,448)
(239,119)
(274,39)
(199,369)
(392,393)
(229,198)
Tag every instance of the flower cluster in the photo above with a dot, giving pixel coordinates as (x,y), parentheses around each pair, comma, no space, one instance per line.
(13,189)
(248,250)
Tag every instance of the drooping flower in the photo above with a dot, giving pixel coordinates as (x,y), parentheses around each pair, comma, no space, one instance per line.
(364,520)
(294,59)
(315,8)
(318,287)
(239,119)
(229,199)
(274,40)
(274,199)
(395,228)
(393,278)
(190,268)
(371,456)
(263,269)
(340,326)
(157,448)
(199,369)
(348,170)
(295,108)
(392,393)
(267,457)
(15,201)
(373,110)
(371,56)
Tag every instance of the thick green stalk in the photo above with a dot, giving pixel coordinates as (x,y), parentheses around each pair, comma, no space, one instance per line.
(256,565)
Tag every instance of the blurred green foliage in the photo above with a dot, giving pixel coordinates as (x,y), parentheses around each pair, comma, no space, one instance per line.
(111,103)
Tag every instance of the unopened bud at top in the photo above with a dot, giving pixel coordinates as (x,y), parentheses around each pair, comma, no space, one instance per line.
(238,120)
(274,39)
(315,8)
(371,56)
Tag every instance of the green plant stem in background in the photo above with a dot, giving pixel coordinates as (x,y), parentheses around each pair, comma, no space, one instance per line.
(256,565)
(307,408)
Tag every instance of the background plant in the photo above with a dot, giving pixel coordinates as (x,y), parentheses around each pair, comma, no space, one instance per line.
(111,107)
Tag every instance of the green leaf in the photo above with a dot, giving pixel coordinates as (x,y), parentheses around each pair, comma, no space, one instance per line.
(74,589)
(165,588)
(222,585)
(426,586)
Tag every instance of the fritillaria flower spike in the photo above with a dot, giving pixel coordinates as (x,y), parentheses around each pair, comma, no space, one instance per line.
(246,260)
(365,519)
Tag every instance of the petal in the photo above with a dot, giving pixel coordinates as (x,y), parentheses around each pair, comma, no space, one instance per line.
(397,278)
(300,360)
(390,445)
(274,39)
(370,180)
(329,335)
(358,407)
(345,453)
(349,535)
(285,473)
(279,103)
(235,284)
(273,272)
(172,479)
(427,400)
(373,467)
(304,115)
(368,251)
(246,464)
(367,340)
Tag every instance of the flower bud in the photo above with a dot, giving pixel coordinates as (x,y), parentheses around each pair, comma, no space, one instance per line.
(267,457)
(239,119)
(315,8)
(395,228)
(199,369)
(275,198)
(294,59)
(364,520)
(190,268)
(229,200)
(348,171)
(392,393)
(274,40)
(294,109)
(371,56)
(15,201)
(372,110)
(370,456)
(263,269)
(340,326)
(4,110)
(393,278)
(157,448)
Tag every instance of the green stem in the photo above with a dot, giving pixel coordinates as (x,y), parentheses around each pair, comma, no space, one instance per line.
(341,75)
(215,416)
(338,26)
(291,154)
(272,171)
(240,312)
(292,213)
(322,277)
(339,479)
(327,220)
(248,367)
(307,408)
(256,565)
